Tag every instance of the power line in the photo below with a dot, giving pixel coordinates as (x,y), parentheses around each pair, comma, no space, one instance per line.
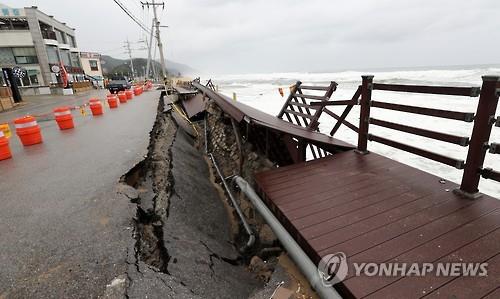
(158,35)
(131,16)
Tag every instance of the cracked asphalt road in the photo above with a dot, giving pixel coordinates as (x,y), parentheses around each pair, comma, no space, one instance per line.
(197,230)
(202,262)
(64,230)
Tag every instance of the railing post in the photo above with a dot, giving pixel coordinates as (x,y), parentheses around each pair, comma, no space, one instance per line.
(293,90)
(483,122)
(364,117)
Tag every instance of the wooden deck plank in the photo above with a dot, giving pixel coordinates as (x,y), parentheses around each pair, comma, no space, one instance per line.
(375,209)
(495,294)
(353,200)
(429,252)
(380,192)
(338,167)
(481,250)
(389,196)
(394,239)
(483,287)
(348,190)
(310,165)
(310,224)
(326,235)
(322,175)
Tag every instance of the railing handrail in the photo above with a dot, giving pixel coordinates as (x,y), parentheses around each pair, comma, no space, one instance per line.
(449,114)
(443,90)
(484,119)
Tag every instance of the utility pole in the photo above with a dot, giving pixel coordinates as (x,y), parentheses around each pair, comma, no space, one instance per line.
(153,65)
(158,38)
(149,49)
(127,46)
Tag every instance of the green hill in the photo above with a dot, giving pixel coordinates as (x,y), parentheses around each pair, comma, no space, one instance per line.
(112,65)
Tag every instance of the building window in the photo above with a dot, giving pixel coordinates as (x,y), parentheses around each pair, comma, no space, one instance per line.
(65,57)
(26,80)
(30,78)
(47,32)
(75,59)
(14,24)
(7,57)
(61,36)
(34,79)
(52,54)
(72,42)
(25,55)
(93,65)
(33,76)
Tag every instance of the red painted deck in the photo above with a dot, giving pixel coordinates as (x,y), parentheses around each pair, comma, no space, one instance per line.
(377,210)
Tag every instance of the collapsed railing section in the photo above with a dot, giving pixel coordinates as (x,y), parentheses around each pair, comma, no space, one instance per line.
(298,110)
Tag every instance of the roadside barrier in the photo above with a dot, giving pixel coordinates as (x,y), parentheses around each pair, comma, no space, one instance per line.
(64,118)
(95,107)
(4,147)
(122,96)
(130,94)
(137,91)
(112,101)
(5,128)
(28,130)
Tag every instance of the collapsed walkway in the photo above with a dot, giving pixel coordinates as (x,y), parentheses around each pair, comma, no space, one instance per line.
(374,209)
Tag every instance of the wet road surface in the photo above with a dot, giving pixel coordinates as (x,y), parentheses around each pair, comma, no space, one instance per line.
(64,231)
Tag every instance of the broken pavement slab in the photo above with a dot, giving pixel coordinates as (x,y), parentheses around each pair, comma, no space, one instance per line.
(193,247)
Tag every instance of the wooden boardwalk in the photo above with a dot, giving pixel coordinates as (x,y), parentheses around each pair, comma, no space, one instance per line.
(377,210)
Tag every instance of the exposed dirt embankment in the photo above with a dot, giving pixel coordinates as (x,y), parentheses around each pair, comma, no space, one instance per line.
(235,154)
(183,246)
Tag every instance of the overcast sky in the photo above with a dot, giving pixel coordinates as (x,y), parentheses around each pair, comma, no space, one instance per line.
(241,36)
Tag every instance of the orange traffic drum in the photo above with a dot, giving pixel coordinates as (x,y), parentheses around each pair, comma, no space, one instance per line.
(122,97)
(137,91)
(130,94)
(95,107)
(4,147)
(28,130)
(64,118)
(112,101)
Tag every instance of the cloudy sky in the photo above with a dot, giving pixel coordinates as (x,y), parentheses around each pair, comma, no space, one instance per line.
(242,36)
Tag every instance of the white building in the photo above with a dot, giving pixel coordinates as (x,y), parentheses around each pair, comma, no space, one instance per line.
(91,65)
(38,43)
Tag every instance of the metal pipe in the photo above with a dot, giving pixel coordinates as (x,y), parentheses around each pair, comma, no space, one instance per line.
(251,235)
(296,253)
(238,143)
(206,133)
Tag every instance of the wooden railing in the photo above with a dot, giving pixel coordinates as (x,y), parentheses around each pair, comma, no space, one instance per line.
(483,121)
(494,148)
(483,118)
(298,110)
